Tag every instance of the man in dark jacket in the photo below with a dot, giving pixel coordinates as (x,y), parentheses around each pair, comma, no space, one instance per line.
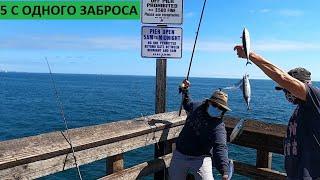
(203,136)
(302,142)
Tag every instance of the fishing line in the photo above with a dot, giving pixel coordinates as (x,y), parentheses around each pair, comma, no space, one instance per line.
(144,118)
(316,139)
(67,136)
(194,47)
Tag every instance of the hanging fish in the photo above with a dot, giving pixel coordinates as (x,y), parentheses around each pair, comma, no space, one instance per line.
(246,44)
(237,130)
(231,169)
(244,85)
(246,90)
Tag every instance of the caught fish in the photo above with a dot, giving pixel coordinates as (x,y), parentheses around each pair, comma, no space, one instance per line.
(231,169)
(246,44)
(237,130)
(246,90)
(244,85)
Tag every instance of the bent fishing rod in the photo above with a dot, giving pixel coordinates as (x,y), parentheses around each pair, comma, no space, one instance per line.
(194,47)
(67,137)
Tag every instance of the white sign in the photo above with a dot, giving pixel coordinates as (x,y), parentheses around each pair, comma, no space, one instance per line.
(162,11)
(161,42)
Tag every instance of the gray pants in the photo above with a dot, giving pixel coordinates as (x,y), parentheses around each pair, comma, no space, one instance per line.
(199,166)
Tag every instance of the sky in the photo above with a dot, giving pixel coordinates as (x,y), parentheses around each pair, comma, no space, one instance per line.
(286,32)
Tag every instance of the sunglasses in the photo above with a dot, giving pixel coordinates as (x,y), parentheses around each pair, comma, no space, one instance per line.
(285,91)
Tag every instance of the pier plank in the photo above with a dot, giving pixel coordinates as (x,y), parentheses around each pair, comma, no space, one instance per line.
(49,166)
(53,144)
(258,173)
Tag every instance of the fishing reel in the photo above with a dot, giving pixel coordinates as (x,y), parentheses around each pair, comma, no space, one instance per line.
(184,86)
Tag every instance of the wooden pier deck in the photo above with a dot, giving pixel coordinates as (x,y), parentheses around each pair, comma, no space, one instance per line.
(41,155)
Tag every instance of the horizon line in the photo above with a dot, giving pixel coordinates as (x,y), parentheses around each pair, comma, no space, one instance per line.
(204,77)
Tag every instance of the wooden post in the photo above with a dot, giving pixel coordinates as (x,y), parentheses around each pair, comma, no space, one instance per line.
(264,159)
(160,107)
(161,83)
(115,163)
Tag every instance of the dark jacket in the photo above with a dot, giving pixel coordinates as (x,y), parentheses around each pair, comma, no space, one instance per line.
(202,133)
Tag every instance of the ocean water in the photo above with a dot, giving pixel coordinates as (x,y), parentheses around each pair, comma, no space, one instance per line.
(28,107)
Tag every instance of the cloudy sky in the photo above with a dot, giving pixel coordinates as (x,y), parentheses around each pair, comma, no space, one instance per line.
(287,32)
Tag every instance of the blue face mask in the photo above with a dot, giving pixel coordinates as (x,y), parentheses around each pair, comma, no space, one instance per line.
(214,111)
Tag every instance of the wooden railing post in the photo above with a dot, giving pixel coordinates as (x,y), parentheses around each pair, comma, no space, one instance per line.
(160,107)
(264,159)
(115,163)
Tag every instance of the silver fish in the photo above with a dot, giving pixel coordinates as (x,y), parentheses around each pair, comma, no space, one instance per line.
(237,130)
(231,169)
(244,85)
(246,90)
(246,44)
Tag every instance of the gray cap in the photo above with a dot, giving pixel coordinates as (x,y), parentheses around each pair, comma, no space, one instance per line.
(299,73)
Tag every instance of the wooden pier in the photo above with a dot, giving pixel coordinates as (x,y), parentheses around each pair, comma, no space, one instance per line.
(41,155)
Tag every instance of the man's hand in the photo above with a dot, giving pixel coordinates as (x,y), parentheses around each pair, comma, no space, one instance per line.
(225,177)
(240,51)
(184,85)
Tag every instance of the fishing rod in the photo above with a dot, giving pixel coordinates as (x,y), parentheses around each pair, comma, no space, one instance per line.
(194,47)
(67,137)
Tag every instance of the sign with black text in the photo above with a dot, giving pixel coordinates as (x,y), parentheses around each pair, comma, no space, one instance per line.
(162,11)
(161,42)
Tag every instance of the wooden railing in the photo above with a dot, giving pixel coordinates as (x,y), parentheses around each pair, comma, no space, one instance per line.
(45,154)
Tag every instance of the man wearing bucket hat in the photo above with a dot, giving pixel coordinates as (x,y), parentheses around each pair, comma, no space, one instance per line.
(202,137)
(302,142)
